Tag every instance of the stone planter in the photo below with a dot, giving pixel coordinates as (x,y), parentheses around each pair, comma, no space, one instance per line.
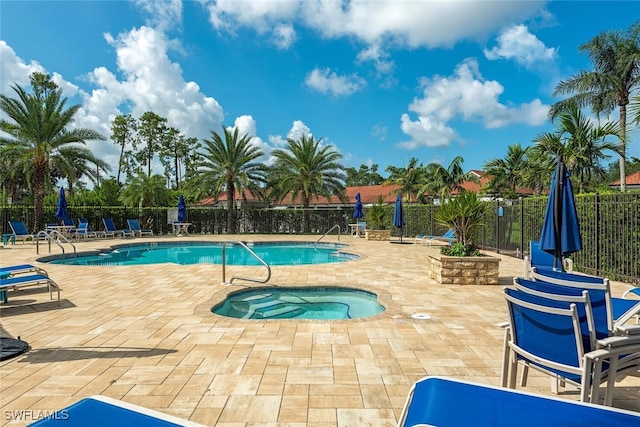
(377,234)
(452,270)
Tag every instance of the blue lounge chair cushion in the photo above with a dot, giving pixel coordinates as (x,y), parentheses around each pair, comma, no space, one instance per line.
(436,401)
(98,411)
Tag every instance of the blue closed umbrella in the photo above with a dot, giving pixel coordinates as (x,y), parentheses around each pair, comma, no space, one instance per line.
(357,213)
(398,220)
(560,231)
(61,212)
(182,209)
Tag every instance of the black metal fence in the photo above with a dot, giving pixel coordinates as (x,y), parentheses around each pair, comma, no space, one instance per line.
(610,226)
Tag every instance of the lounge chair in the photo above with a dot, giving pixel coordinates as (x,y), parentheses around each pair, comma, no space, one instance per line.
(548,335)
(134,225)
(594,325)
(22,281)
(542,260)
(20,231)
(616,311)
(83,231)
(436,401)
(13,270)
(448,237)
(110,229)
(111,412)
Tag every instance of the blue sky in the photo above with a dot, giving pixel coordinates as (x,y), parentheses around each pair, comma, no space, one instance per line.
(382,81)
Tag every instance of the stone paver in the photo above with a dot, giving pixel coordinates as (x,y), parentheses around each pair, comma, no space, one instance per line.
(146,335)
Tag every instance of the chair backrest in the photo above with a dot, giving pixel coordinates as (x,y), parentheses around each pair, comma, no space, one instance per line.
(134,224)
(109,225)
(450,234)
(548,333)
(599,294)
(362,225)
(68,222)
(546,295)
(83,226)
(18,228)
(540,258)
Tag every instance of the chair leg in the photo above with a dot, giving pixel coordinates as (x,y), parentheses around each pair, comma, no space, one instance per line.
(505,357)
(524,376)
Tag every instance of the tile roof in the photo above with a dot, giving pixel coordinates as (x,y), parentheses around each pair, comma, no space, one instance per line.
(633,179)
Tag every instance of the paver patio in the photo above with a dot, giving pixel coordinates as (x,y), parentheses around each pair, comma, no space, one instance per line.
(145,334)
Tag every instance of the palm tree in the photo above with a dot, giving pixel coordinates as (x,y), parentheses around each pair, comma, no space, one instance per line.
(143,190)
(37,135)
(230,165)
(410,179)
(616,59)
(443,181)
(580,144)
(305,169)
(507,174)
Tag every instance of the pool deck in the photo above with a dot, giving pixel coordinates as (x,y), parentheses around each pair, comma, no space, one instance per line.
(145,335)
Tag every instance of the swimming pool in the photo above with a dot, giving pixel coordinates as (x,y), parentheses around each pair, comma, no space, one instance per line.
(324,302)
(187,253)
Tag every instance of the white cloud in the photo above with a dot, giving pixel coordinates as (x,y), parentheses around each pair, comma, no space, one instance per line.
(379,131)
(466,95)
(284,35)
(298,130)
(378,57)
(412,23)
(13,70)
(162,14)
(328,82)
(517,43)
(246,125)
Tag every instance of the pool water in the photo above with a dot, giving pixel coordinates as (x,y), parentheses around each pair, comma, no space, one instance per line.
(325,303)
(288,253)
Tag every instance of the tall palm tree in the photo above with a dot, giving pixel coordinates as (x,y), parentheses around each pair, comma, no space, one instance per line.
(580,143)
(230,165)
(305,169)
(616,59)
(410,179)
(443,181)
(37,135)
(507,174)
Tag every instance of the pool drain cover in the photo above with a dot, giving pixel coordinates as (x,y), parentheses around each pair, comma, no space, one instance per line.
(421,316)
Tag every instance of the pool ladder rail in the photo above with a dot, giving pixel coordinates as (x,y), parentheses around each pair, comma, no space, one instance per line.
(247,279)
(53,236)
(328,231)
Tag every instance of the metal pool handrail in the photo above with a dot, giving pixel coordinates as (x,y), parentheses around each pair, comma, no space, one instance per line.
(248,279)
(328,231)
(50,237)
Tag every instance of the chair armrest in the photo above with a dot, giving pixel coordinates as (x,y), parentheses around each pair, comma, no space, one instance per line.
(628,330)
(619,341)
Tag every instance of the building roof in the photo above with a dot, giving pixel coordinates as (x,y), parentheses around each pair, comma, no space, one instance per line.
(633,179)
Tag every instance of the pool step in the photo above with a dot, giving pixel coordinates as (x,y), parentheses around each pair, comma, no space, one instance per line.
(268,307)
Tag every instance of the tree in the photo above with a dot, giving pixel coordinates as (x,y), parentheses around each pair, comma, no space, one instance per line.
(616,59)
(123,134)
(508,173)
(580,144)
(365,175)
(410,179)
(230,165)
(305,168)
(177,153)
(144,191)
(443,181)
(37,135)
(152,130)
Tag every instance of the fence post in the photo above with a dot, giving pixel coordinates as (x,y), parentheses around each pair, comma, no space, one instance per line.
(596,225)
(521,227)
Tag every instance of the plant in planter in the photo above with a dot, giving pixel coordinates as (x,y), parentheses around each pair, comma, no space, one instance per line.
(464,214)
(376,215)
